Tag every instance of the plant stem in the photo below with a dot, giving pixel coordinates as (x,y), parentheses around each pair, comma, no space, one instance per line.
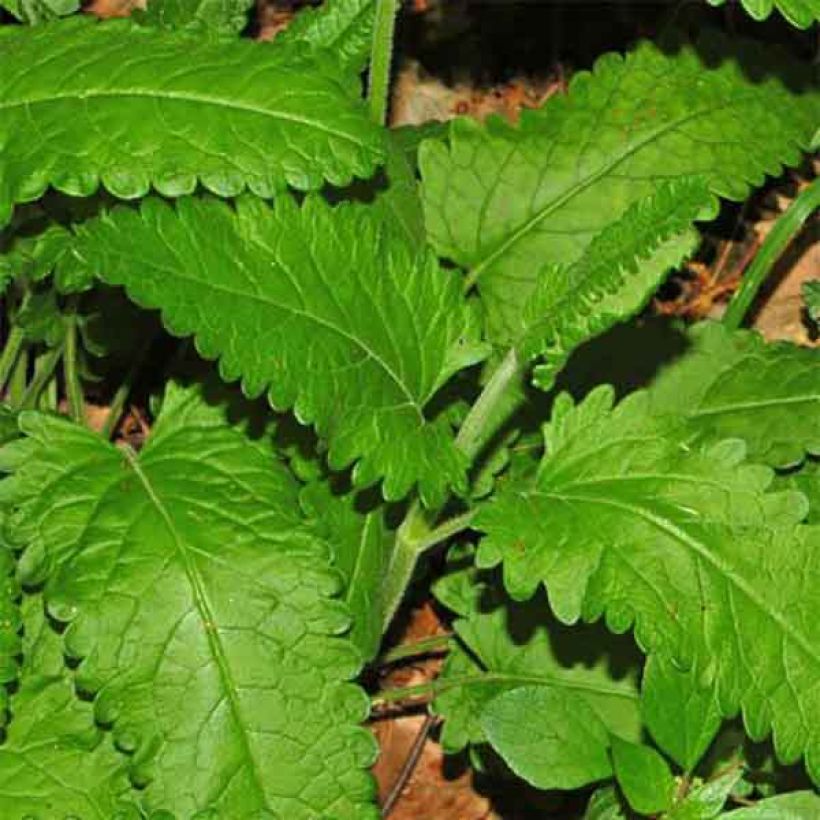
(17,383)
(43,371)
(11,351)
(783,231)
(478,425)
(434,643)
(381,57)
(74,390)
(123,392)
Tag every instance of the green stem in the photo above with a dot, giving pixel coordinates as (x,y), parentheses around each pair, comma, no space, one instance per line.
(43,371)
(480,422)
(19,376)
(783,231)
(435,643)
(11,351)
(74,390)
(381,56)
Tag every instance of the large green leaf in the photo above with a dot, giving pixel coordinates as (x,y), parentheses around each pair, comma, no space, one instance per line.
(134,108)
(627,521)
(54,761)
(329,308)
(504,645)
(199,605)
(344,27)
(507,202)
(800,13)
(737,386)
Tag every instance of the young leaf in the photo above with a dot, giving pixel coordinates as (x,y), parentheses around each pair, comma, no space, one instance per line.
(737,386)
(807,481)
(551,739)
(800,13)
(604,805)
(362,546)
(54,761)
(221,17)
(643,775)
(706,800)
(344,27)
(328,308)
(507,645)
(794,806)
(39,11)
(199,605)
(615,276)
(686,544)
(229,115)
(811,295)
(682,717)
(507,202)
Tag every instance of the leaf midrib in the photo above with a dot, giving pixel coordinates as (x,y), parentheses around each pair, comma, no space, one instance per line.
(187,97)
(206,616)
(751,406)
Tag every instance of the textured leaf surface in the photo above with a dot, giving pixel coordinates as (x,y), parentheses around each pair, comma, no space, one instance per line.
(344,27)
(133,108)
(682,717)
(800,13)
(199,603)
(54,762)
(552,740)
(362,546)
(505,202)
(615,276)
(211,16)
(737,386)
(604,804)
(506,645)
(643,775)
(39,11)
(685,544)
(795,806)
(328,308)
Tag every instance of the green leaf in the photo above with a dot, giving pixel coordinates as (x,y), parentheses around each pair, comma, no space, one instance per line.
(811,295)
(549,738)
(199,605)
(737,386)
(168,110)
(344,27)
(794,806)
(604,805)
(682,717)
(362,546)
(682,542)
(643,775)
(221,17)
(39,11)
(505,645)
(507,202)
(706,800)
(614,278)
(807,481)
(54,761)
(328,308)
(800,13)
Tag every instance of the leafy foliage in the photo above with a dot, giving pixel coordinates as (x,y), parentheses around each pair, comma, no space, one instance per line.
(39,11)
(366,328)
(643,775)
(218,16)
(228,115)
(800,13)
(498,197)
(684,543)
(144,558)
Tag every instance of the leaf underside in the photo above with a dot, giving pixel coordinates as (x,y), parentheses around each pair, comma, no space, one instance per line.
(683,543)
(498,197)
(328,308)
(200,606)
(133,108)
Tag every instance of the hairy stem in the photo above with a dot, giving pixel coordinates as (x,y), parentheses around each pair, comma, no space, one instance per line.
(73,387)
(11,351)
(784,230)
(435,643)
(381,57)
